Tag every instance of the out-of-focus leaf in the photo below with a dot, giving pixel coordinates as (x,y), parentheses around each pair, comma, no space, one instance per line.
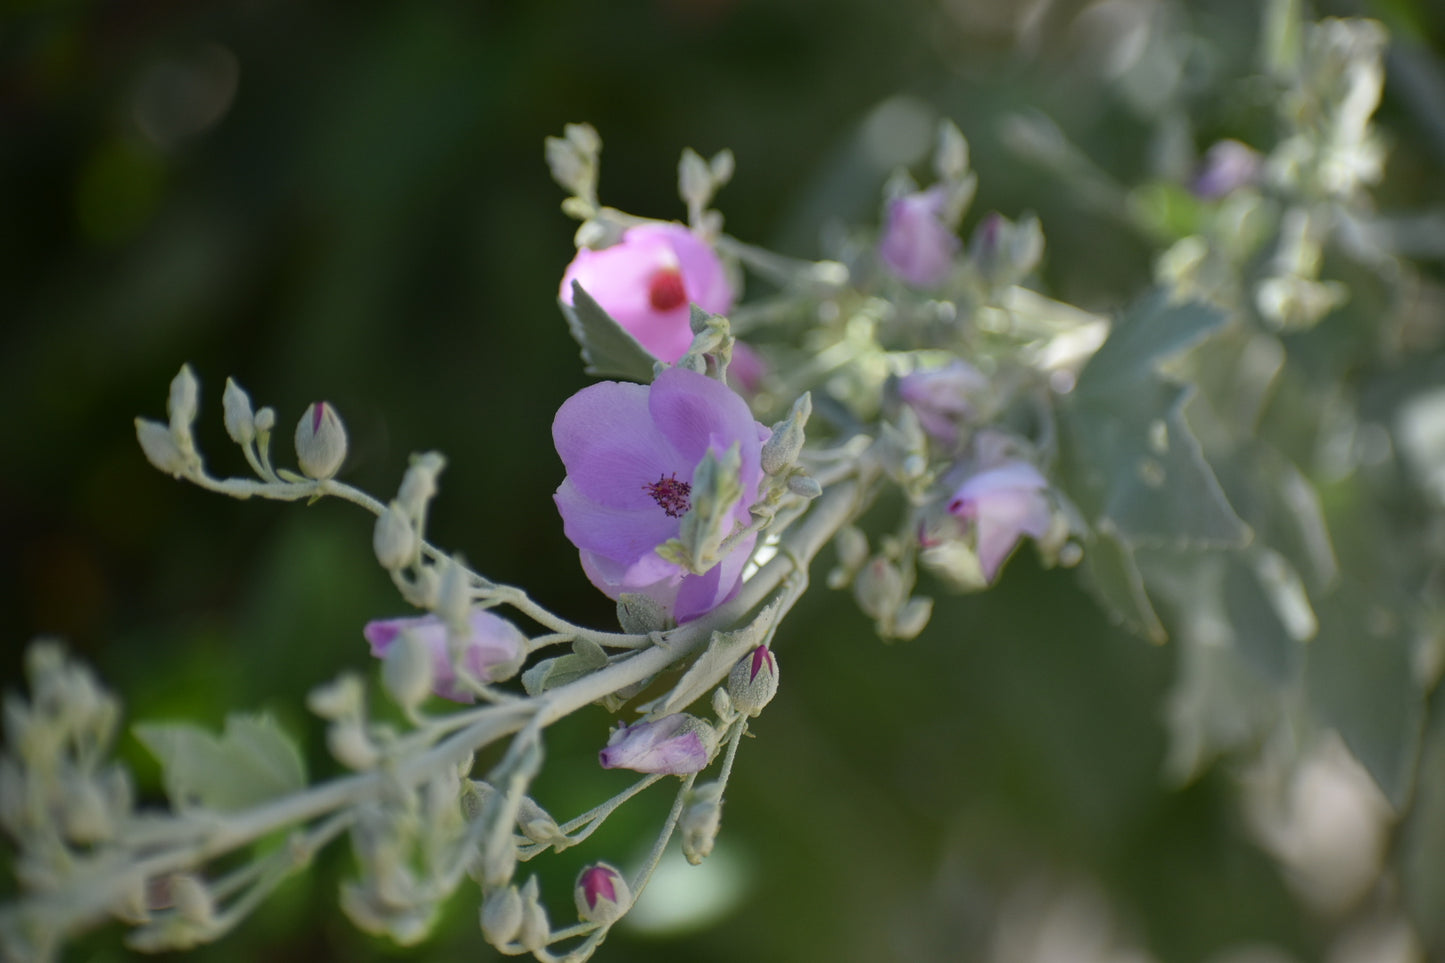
(586,657)
(1113,577)
(1165,210)
(607,347)
(1132,460)
(1422,840)
(252,761)
(1151,331)
(1218,703)
(1360,680)
(1261,638)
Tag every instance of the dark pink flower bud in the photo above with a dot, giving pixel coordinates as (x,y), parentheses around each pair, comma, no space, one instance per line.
(944,398)
(753,681)
(602,894)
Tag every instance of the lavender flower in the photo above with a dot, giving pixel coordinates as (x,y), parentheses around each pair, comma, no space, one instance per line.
(674,745)
(1227,166)
(943,398)
(494,652)
(1003,504)
(917,246)
(647,280)
(631,452)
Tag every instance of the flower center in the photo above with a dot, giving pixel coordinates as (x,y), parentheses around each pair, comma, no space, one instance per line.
(671,495)
(666,291)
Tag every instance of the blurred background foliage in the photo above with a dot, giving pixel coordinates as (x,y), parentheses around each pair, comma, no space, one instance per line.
(348,202)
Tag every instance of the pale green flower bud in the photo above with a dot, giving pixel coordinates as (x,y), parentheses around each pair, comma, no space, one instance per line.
(192,899)
(502,916)
(183,401)
(419,484)
(236,408)
(782,447)
(912,618)
(753,681)
(393,539)
(86,815)
(351,746)
(537,824)
(160,448)
(320,441)
(338,699)
(878,589)
(804,485)
(535,928)
(700,821)
(265,420)
(406,670)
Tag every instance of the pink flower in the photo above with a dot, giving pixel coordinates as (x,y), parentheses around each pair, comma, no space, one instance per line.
(1003,504)
(1227,166)
(916,245)
(944,398)
(647,280)
(495,651)
(631,452)
(675,745)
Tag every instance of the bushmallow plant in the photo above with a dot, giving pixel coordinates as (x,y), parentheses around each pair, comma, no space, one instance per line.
(957,414)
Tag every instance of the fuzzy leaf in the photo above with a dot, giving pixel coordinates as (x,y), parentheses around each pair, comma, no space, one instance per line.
(1149,333)
(1359,679)
(252,761)
(607,347)
(586,657)
(1113,576)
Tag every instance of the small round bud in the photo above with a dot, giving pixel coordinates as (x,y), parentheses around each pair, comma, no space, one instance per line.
(236,409)
(351,746)
(852,547)
(912,618)
(536,931)
(700,821)
(192,900)
(265,420)
(878,589)
(338,699)
(85,811)
(804,485)
(393,539)
(602,895)
(537,824)
(406,670)
(183,400)
(753,681)
(320,441)
(160,448)
(502,916)
(722,705)
(419,484)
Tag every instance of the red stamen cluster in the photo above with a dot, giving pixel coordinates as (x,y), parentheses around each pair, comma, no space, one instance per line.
(666,291)
(671,495)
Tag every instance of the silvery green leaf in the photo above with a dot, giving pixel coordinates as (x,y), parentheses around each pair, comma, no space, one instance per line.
(607,348)
(694,179)
(586,657)
(1150,332)
(1422,840)
(1113,576)
(252,761)
(1359,679)
(1132,459)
